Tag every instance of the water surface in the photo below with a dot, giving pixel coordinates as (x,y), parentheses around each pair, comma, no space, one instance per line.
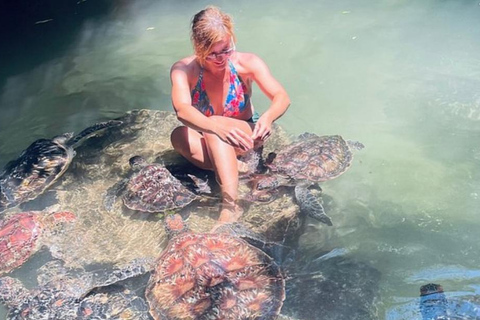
(400,76)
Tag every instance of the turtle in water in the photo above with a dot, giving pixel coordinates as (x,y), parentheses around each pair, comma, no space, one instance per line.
(25,233)
(61,294)
(40,165)
(152,188)
(304,163)
(213,276)
(113,302)
(434,305)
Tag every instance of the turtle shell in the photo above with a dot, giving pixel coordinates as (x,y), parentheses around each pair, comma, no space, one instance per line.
(155,189)
(313,158)
(39,166)
(214,276)
(21,234)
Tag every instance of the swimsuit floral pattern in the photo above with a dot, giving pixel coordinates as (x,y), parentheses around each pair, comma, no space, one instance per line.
(235,103)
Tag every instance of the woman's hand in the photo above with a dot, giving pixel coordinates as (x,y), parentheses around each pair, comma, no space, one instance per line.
(234,136)
(263,128)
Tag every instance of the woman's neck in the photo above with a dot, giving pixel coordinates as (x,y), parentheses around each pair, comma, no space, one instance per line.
(218,74)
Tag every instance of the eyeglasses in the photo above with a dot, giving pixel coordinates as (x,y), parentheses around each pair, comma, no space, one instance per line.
(220,55)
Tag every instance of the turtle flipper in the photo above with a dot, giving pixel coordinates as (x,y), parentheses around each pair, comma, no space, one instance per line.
(355,145)
(105,277)
(112,193)
(310,204)
(201,185)
(12,292)
(76,140)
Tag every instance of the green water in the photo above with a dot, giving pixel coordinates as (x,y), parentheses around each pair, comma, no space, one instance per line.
(402,77)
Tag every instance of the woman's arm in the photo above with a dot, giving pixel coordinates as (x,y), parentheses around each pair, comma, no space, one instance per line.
(182,102)
(280,100)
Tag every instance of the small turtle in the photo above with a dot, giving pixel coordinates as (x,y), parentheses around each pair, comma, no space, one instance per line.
(25,233)
(434,305)
(152,188)
(304,163)
(213,276)
(40,165)
(60,294)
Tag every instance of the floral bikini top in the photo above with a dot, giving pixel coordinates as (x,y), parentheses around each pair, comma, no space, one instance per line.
(235,103)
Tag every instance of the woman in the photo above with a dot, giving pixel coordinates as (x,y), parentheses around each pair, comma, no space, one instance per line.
(211,94)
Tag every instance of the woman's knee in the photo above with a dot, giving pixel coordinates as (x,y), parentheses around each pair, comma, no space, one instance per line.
(179,138)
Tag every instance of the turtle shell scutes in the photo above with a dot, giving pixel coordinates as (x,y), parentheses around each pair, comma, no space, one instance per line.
(155,189)
(24,233)
(313,158)
(36,169)
(214,276)
(18,240)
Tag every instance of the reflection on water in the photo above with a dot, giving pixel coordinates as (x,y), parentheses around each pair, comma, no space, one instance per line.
(400,76)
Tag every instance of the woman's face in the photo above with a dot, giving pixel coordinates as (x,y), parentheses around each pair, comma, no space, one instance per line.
(218,56)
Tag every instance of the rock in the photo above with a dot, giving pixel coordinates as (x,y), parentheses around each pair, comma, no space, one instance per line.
(121,235)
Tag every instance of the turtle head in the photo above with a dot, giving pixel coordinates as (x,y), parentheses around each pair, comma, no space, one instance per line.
(12,292)
(137,162)
(430,289)
(63,138)
(174,225)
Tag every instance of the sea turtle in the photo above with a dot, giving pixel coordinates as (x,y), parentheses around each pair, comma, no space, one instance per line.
(113,302)
(434,305)
(61,293)
(213,276)
(152,188)
(25,233)
(303,163)
(40,165)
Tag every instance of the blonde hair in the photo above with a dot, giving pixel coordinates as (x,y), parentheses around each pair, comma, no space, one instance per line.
(210,26)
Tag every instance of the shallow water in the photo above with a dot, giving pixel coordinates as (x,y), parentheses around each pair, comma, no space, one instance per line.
(399,76)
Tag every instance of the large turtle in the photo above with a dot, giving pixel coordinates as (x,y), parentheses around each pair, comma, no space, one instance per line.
(309,160)
(61,294)
(25,233)
(40,165)
(213,276)
(152,188)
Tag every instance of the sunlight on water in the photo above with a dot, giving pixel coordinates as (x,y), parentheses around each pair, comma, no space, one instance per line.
(400,76)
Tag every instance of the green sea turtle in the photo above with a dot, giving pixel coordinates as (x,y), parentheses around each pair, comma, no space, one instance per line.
(113,302)
(61,293)
(25,233)
(152,188)
(304,163)
(213,276)
(40,165)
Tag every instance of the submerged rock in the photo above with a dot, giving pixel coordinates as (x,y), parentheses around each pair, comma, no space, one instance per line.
(122,234)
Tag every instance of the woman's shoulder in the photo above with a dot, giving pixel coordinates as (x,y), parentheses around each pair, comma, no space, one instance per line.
(247,59)
(186,68)
(248,63)
(188,65)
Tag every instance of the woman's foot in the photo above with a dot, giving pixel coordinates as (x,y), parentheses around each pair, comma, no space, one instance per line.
(228,213)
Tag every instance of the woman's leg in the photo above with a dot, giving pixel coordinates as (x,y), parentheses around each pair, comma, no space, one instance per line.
(191,144)
(223,157)
(209,152)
